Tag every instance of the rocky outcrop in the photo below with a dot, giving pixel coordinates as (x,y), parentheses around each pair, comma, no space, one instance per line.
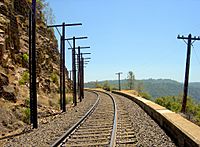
(14,43)
(14,67)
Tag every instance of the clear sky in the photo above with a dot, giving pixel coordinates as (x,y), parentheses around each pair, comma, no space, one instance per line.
(136,35)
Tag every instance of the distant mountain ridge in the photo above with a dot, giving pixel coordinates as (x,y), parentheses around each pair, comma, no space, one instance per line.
(157,87)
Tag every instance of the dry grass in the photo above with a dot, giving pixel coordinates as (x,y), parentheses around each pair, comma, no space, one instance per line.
(131,92)
(43,100)
(69,98)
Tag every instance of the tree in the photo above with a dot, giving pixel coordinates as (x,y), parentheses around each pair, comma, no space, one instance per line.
(130,80)
(97,85)
(106,86)
(48,14)
(47,11)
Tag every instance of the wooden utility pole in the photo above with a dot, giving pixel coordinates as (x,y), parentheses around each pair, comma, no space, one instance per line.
(119,73)
(62,62)
(32,65)
(74,65)
(189,43)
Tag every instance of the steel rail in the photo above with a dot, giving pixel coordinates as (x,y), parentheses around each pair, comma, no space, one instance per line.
(66,134)
(114,130)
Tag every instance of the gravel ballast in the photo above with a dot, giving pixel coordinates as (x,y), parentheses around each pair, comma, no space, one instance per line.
(48,133)
(147,131)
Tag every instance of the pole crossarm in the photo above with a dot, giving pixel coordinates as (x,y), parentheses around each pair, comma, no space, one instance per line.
(192,38)
(76,38)
(118,73)
(67,25)
(80,47)
(87,58)
(186,81)
(86,53)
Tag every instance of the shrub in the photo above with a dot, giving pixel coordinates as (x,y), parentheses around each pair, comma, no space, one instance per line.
(145,95)
(69,99)
(27,114)
(54,78)
(24,79)
(106,86)
(25,57)
(170,102)
(27,102)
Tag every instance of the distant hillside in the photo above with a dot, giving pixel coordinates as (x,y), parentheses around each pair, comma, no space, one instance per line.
(156,87)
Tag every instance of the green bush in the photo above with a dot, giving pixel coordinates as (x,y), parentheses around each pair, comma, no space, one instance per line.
(69,99)
(145,95)
(170,102)
(27,102)
(106,86)
(54,78)
(24,79)
(27,114)
(25,57)
(174,103)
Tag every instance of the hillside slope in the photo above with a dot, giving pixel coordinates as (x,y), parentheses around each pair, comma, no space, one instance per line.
(14,57)
(157,88)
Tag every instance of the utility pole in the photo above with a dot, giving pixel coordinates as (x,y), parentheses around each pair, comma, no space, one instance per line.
(82,77)
(32,64)
(63,67)
(61,72)
(79,73)
(189,43)
(62,62)
(119,73)
(82,62)
(74,66)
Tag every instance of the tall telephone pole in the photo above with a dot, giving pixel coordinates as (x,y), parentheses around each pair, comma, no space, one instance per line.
(119,73)
(32,65)
(62,62)
(189,43)
(74,66)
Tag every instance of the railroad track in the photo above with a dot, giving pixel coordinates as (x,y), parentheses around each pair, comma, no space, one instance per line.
(107,123)
(125,135)
(96,128)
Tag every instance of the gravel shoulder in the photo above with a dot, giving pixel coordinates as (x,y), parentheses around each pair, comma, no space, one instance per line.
(53,127)
(147,131)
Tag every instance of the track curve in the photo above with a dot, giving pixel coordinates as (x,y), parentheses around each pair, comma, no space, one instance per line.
(97,127)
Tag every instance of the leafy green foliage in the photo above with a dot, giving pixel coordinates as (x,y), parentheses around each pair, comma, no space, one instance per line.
(170,102)
(54,78)
(27,102)
(25,57)
(47,12)
(27,114)
(145,95)
(130,80)
(156,88)
(174,103)
(97,85)
(24,79)
(106,86)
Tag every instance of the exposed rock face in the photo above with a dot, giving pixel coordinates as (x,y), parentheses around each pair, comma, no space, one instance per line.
(14,43)
(14,67)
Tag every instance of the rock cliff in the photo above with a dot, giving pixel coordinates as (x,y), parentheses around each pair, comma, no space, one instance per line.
(14,57)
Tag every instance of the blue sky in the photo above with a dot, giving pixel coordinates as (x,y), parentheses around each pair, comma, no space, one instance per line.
(133,35)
